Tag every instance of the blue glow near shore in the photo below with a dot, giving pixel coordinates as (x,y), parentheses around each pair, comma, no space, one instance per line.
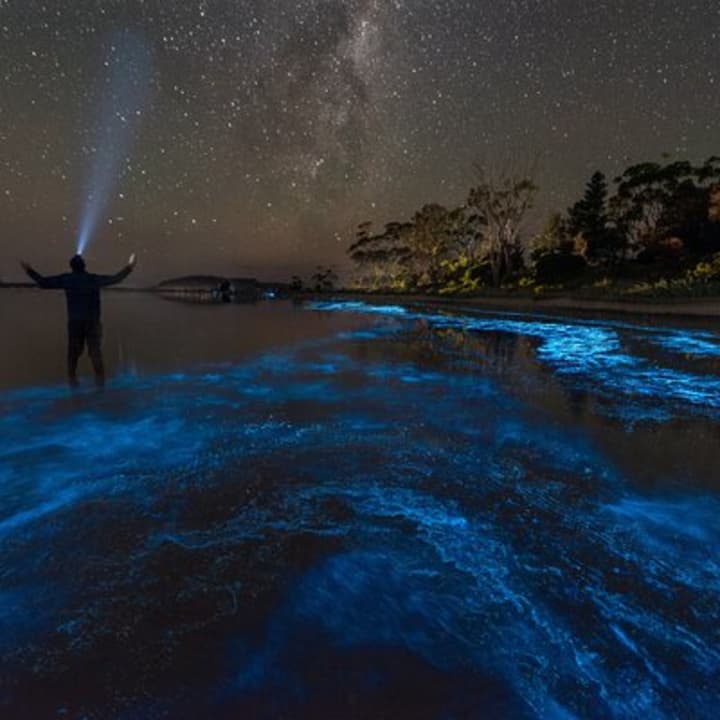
(591,352)
(455,524)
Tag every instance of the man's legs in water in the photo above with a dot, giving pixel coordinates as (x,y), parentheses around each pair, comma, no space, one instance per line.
(76,344)
(94,341)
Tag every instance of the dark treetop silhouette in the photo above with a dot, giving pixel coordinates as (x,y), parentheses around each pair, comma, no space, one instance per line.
(82,292)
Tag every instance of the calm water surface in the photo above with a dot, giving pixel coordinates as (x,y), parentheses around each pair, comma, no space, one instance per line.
(353,511)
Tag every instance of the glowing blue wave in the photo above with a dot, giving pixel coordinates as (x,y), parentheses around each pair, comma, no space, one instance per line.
(358,498)
(698,343)
(590,352)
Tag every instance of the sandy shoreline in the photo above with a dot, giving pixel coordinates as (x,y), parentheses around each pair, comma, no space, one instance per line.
(680,307)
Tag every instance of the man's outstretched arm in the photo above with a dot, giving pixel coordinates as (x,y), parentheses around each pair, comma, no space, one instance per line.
(105,280)
(53,282)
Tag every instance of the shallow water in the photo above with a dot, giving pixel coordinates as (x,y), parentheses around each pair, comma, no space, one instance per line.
(350,511)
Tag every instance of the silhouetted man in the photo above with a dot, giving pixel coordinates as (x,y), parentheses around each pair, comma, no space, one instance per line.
(82,293)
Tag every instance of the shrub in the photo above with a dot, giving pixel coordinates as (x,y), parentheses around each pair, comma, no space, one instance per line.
(553,268)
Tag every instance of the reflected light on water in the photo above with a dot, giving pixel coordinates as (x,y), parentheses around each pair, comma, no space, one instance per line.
(429,508)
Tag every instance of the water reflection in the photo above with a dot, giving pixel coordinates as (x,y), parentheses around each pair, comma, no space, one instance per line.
(206,298)
(145,334)
(413,516)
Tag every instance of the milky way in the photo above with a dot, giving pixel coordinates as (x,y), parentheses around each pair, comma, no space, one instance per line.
(275,127)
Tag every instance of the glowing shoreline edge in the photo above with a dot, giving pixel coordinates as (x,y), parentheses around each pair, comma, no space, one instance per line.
(483,567)
(576,348)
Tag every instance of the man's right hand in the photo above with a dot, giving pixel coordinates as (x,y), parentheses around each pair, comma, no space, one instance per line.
(25,266)
(132,261)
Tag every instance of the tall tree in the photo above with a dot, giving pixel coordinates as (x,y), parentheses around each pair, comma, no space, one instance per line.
(502,199)
(589,215)
(469,235)
(590,218)
(434,231)
(382,256)
(655,203)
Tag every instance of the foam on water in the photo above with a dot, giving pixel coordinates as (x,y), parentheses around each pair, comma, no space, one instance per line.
(354,498)
(590,352)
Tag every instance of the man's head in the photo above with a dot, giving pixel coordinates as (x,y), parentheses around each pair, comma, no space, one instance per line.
(77,264)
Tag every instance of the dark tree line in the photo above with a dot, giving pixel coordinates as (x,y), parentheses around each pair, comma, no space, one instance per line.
(322,280)
(460,248)
(661,217)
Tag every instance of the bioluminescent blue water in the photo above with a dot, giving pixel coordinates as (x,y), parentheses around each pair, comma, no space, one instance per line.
(429,515)
(124,95)
(592,352)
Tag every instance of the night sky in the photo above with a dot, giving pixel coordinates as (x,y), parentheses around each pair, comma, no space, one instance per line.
(250,138)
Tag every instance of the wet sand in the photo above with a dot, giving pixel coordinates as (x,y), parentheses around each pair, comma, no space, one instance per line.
(683,307)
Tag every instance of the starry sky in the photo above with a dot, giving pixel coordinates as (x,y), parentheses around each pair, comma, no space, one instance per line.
(250,138)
